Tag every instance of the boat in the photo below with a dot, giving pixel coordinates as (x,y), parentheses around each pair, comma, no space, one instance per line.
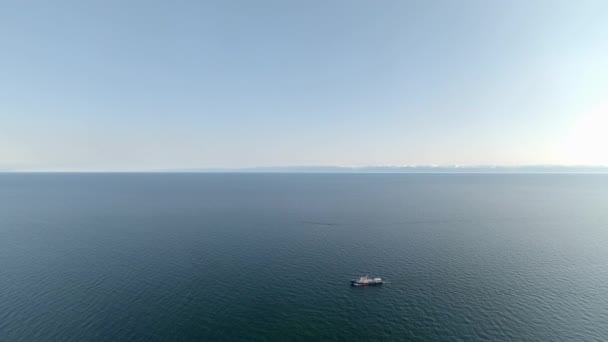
(366,281)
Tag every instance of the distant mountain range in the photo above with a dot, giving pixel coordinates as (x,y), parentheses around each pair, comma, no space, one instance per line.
(350,169)
(409,169)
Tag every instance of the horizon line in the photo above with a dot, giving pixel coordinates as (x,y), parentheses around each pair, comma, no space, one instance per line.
(528,168)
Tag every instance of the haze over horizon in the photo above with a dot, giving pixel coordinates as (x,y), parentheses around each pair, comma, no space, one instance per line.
(153,85)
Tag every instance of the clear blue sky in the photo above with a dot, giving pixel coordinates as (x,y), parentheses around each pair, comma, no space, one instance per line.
(145,85)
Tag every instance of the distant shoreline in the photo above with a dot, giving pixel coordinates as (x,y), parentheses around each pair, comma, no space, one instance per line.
(357,170)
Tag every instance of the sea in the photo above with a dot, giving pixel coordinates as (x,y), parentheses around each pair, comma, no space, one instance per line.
(269,257)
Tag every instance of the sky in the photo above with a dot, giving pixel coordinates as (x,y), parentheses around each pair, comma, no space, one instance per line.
(155,85)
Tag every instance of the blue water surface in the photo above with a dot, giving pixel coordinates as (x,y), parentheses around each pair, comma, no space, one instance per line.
(268,257)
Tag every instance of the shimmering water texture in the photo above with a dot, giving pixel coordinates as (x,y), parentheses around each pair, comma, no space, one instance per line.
(269,257)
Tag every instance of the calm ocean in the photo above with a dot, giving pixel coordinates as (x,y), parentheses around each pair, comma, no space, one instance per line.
(268,257)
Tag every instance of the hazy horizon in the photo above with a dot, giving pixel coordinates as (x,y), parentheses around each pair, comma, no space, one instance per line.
(346,169)
(153,85)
